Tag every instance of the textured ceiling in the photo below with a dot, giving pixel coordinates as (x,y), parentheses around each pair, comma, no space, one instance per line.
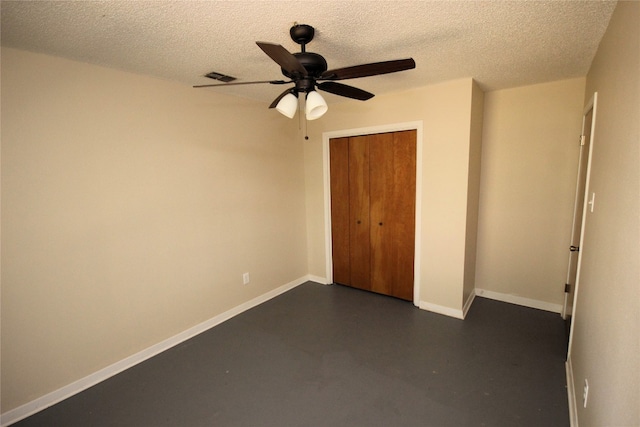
(500,43)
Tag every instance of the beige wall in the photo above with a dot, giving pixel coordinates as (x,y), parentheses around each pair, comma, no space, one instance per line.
(445,110)
(606,336)
(131,207)
(473,191)
(529,164)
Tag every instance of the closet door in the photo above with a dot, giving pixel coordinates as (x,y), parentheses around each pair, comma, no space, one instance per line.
(373,212)
(350,226)
(392,206)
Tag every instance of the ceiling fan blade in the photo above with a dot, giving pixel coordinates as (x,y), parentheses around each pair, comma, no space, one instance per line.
(345,90)
(283,57)
(372,69)
(273,82)
(282,95)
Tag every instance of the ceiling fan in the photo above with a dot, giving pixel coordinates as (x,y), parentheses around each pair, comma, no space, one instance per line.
(308,71)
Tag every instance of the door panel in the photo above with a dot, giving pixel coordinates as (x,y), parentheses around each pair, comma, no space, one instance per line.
(359,214)
(382,196)
(404,208)
(578,214)
(339,168)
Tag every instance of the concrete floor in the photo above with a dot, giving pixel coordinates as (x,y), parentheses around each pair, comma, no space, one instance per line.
(335,356)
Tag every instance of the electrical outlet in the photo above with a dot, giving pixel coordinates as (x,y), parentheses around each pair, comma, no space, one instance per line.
(245,278)
(585,393)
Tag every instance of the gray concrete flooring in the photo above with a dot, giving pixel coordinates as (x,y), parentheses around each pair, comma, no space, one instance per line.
(335,356)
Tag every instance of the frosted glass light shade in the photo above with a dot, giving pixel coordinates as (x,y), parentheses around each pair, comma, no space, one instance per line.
(288,105)
(316,105)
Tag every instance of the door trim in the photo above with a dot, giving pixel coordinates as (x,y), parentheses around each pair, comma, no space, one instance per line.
(394,127)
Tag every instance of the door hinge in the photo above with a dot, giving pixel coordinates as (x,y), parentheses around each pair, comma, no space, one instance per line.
(582,139)
(567,288)
(574,248)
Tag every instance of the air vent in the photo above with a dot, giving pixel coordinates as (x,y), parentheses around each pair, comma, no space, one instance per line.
(217,76)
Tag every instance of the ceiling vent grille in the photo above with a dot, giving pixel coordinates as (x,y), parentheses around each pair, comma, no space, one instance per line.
(218,76)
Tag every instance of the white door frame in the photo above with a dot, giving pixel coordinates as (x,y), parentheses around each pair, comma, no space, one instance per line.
(588,204)
(394,127)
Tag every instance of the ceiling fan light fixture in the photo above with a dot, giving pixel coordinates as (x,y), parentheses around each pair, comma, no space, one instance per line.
(308,70)
(288,105)
(316,105)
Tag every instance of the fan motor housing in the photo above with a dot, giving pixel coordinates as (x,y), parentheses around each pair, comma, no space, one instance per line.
(314,64)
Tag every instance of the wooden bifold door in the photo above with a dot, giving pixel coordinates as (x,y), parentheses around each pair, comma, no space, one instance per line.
(373,191)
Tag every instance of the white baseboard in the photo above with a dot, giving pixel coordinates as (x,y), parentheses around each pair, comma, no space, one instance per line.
(441,309)
(498,296)
(318,279)
(514,299)
(448,311)
(76,387)
(571,395)
(467,303)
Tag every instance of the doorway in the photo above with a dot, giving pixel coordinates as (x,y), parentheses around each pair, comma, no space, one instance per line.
(378,250)
(582,202)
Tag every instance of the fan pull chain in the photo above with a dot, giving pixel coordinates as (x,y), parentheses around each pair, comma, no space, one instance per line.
(306,124)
